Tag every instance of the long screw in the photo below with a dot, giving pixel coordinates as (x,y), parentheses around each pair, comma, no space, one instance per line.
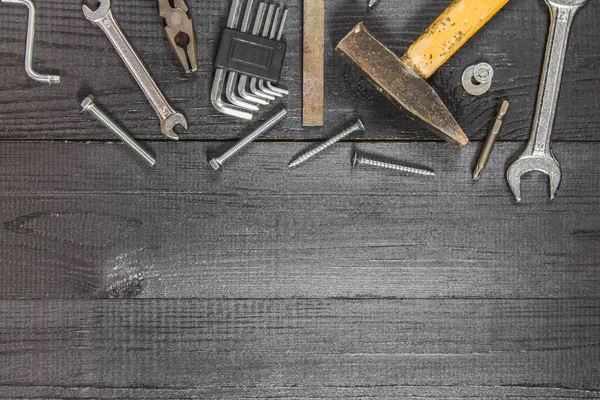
(218,162)
(90,107)
(490,141)
(359,160)
(355,127)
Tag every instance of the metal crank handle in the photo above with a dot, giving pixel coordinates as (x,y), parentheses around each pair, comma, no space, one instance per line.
(560,26)
(169,118)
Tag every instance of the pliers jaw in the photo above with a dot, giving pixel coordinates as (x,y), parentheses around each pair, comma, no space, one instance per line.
(180,32)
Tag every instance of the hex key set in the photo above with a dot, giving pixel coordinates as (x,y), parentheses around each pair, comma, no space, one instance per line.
(249,63)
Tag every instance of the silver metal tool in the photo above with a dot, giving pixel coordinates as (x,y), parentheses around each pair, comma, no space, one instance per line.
(233,76)
(477,79)
(359,160)
(538,154)
(104,18)
(490,141)
(276,33)
(262,7)
(217,162)
(357,126)
(50,79)
(216,96)
(260,17)
(90,107)
(242,98)
(265,33)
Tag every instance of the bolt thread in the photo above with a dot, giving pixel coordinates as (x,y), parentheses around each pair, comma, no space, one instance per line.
(99,115)
(252,136)
(361,161)
(357,126)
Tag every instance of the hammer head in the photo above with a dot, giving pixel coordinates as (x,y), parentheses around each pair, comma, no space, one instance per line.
(400,83)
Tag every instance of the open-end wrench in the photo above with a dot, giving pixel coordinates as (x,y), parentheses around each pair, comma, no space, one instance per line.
(538,155)
(104,18)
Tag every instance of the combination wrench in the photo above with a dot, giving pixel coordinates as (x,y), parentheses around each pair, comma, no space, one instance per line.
(538,154)
(104,18)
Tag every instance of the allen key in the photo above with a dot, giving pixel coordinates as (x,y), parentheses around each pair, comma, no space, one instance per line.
(242,84)
(266,29)
(244,78)
(253,80)
(278,23)
(233,76)
(220,75)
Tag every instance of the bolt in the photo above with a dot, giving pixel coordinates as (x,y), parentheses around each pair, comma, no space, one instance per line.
(490,141)
(217,162)
(90,107)
(355,127)
(359,160)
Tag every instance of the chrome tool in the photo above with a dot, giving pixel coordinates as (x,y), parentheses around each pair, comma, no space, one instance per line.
(243,56)
(538,154)
(217,162)
(90,107)
(30,43)
(357,126)
(104,18)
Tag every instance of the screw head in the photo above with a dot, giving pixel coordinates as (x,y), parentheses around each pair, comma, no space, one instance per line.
(215,164)
(87,103)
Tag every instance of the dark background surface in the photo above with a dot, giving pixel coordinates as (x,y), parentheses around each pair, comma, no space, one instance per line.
(120,281)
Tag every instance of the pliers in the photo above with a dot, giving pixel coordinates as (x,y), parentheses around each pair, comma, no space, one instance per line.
(180,32)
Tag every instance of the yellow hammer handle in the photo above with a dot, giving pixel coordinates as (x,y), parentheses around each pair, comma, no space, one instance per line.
(461,20)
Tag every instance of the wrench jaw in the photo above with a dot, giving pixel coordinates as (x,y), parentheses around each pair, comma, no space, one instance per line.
(525,164)
(170,123)
(101,12)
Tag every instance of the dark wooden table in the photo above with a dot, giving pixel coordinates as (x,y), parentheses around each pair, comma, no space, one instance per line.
(120,281)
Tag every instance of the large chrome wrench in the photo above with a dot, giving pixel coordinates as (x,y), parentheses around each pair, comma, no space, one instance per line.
(104,18)
(538,154)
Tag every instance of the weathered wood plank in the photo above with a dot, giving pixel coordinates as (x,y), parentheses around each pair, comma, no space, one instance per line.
(88,220)
(513,42)
(380,349)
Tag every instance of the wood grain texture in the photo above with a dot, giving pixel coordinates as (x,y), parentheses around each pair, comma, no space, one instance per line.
(313,63)
(300,348)
(512,42)
(89,221)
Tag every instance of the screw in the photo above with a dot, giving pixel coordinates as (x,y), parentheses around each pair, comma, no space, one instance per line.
(218,162)
(359,160)
(490,141)
(356,126)
(90,107)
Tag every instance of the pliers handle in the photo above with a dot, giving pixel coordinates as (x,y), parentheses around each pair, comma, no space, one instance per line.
(180,32)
